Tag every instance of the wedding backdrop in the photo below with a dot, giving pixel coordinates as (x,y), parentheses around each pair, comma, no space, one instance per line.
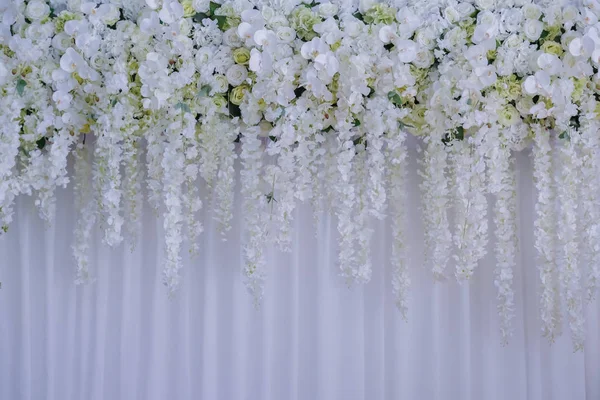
(303,113)
(312,337)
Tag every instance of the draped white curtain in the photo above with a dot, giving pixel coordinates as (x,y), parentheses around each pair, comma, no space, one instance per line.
(312,338)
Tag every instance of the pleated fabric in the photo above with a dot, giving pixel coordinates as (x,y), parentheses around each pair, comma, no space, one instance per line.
(313,337)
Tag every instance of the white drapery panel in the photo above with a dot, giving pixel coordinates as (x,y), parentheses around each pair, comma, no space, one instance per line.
(312,338)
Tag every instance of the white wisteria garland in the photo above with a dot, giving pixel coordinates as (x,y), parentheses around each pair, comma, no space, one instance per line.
(161,97)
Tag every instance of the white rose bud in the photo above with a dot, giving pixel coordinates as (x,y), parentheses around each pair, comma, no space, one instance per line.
(236,74)
(37,10)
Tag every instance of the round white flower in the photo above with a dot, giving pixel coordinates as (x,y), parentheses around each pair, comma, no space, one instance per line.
(62,41)
(220,84)
(236,74)
(353,27)
(426,38)
(285,34)
(267,13)
(231,38)
(37,10)
(533,29)
(451,15)
(110,14)
(484,4)
(407,50)
(532,11)
(512,42)
(327,10)
(570,13)
(387,34)
(278,21)
(201,6)
(465,9)
(424,59)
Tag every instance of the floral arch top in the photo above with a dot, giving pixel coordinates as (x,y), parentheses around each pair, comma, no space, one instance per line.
(168,93)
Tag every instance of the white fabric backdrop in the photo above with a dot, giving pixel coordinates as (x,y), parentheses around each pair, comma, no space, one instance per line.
(313,337)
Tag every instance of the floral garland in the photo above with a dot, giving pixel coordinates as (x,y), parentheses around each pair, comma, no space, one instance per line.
(316,99)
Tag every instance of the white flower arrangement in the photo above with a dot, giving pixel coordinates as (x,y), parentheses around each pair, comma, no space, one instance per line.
(317,100)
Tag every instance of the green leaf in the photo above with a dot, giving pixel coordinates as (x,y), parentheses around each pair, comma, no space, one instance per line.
(204,91)
(221,21)
(213,7)
(113,102)
(21,86)
(358,16)
(41,143)
(183,106)
(403,125)
(395,98)
(198,17)
(356,122)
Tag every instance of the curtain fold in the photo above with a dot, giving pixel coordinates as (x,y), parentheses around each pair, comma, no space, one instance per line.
(313,337)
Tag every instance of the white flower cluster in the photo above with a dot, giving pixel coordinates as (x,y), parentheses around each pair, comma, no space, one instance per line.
(319,97)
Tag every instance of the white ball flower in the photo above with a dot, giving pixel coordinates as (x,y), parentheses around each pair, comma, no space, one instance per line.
(533,29)
(236,74)
(327,10)
(37,10)
(286,34)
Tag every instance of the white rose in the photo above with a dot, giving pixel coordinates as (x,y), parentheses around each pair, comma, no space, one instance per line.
(352,27)
(426,38)
(231,38)
(465,9)
(267,13)
(111,16)
(570,13)
(62,41)
(365,5)
(277,21)
(484,4)
(424,59)
(451,14)
(285,34)
(456,37)
(220,84)
(98,61)
(236,74)
(37,10)
(533,29)
(513,41)
(201,6)
(532,11)
(327,10)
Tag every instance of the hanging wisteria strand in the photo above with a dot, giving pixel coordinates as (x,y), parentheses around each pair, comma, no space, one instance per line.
(397,155)
(316,98)
(434,188)
(590,172)
(254,208)
(502,184)
(133,175)
(545,237)
(470,234)
(569,269)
